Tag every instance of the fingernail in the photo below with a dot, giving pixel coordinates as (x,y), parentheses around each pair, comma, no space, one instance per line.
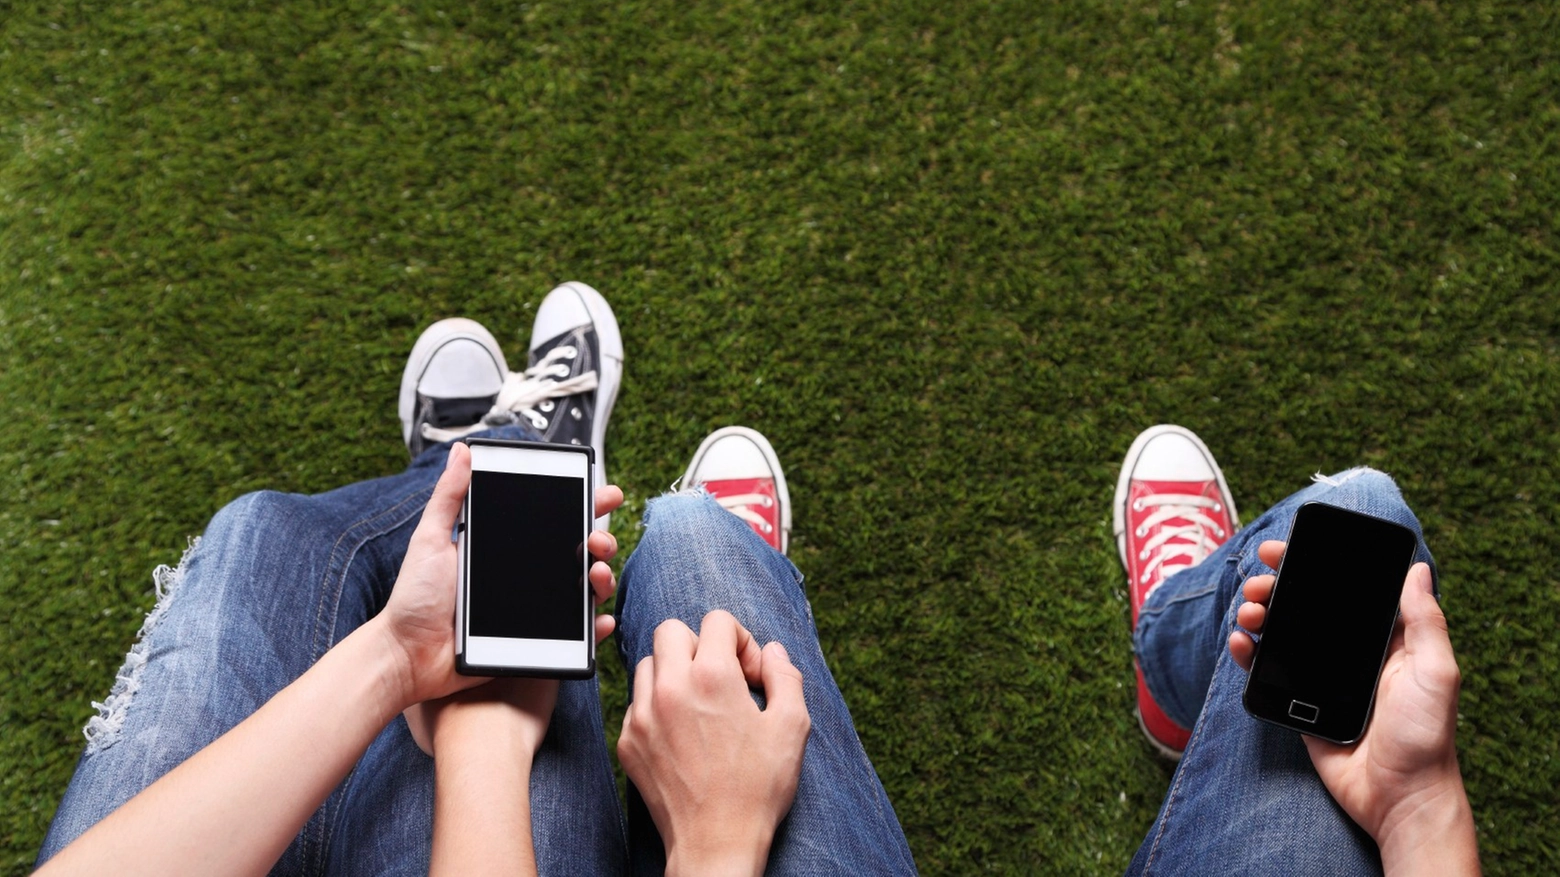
(780,647)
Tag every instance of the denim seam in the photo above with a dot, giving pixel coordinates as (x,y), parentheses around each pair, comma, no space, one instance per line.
(1173,796)
(334,583)
(354,537)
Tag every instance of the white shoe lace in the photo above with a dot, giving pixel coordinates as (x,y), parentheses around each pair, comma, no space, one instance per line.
(527,394)
(740,504)
(1175,548)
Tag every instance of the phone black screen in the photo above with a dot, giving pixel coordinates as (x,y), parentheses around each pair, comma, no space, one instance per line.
(1329,622)
(525,572)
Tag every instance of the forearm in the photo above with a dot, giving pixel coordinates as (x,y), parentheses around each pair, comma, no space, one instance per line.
(233,807)
(482,793)
(1433,835)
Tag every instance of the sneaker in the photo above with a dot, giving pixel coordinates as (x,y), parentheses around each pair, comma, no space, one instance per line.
(576,368)
(450,382)
(739,468)
(567,392)
(1172,510)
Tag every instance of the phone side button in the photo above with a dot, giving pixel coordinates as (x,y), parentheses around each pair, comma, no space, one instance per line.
(1299,709)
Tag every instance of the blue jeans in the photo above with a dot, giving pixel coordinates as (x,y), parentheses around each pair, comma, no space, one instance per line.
(1245,798)
(278,579)
(696,557)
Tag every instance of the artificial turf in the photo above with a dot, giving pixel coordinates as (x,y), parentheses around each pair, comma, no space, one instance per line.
(950,257)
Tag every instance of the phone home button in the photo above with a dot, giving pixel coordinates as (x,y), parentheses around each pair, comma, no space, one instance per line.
(1299,709)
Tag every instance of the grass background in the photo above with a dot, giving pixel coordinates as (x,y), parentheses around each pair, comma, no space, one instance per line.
(949,257)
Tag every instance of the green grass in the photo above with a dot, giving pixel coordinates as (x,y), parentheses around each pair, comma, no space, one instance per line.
(949,257)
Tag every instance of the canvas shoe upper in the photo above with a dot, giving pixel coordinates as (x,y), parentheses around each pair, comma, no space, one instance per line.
(1172,509)
(567,392)
(739,468)
(575,342)
(451,380)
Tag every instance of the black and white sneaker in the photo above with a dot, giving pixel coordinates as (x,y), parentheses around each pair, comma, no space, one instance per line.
(576,368)
(456,382)
(451,381)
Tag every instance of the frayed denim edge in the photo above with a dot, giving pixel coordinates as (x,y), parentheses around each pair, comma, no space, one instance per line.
(103,729)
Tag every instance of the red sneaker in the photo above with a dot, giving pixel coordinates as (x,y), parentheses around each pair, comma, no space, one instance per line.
(739,468)
(1172,510)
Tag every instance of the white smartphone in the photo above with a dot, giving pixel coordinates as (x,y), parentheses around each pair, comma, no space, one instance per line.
(522,602)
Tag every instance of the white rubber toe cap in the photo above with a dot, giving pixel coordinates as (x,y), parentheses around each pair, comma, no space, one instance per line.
(733,456)
(1171,456)
(566,307)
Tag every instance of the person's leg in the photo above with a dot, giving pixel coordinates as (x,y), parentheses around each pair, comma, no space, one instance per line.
(278,579)
(274,582)
(695,557)
(1245,794)
(383,819)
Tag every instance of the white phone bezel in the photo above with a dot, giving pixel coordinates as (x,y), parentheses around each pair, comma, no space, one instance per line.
(488,654)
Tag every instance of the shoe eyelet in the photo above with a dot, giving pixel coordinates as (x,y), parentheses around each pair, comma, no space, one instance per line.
(1217,507)
(1142,531)
(574,441)
(575,413)
(768,529)
(1143,555)
(1218,531)
(547,405)
(1137,505)
(768,502)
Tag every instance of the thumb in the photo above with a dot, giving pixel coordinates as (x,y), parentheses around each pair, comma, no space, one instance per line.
(444,506)
(1424,624)
(782,681)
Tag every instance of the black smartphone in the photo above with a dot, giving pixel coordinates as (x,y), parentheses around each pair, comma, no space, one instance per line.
(1329,622)
(522,601)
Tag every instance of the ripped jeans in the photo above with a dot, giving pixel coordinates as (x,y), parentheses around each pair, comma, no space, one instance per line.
(1245,798)
(278,579)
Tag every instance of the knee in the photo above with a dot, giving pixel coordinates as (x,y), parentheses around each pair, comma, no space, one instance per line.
(691,517)
(277,531)
(264,514)
(1367,490)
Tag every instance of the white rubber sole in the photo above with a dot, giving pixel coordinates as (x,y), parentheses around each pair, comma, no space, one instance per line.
(1124,481)
(428,344)
(782,493)
(609,372)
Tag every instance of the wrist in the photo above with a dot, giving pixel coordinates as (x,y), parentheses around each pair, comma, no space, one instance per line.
(725,856)
(491,728)
(391,665)
(1431,832)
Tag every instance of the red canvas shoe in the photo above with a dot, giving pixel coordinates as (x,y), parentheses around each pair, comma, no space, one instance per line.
(739,468)
(1172,510)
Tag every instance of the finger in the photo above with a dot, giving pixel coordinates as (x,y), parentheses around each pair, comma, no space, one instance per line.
(717,635)
(1242,648)
(1258,589)
(608,499)
(644,686)
(1251,616)
(602,584)
(674,644)
(1424,624)
(602,545)
(751,656)
(444,506)
(781,680)
(605,624)
(1272,552)
(722,638)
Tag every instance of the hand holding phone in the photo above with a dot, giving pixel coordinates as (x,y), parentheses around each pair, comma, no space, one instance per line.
(1401,782)
(1328,622)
